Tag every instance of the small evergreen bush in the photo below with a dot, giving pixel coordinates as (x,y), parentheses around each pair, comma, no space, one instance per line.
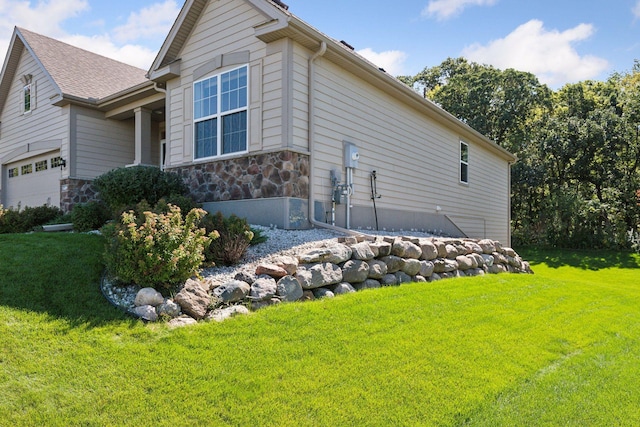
(235,238)
(13,221)
(89,216)
(156,250)
(125,187)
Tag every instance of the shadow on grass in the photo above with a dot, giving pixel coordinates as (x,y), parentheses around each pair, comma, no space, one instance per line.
(58,275)
(580,258)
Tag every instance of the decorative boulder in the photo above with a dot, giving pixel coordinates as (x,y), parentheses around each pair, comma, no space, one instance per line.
(146,312)
(411,266)
(406,249)
(290,264)
(233,291)
(271,270)
(339,254)
(313,276)
(389,280)
(383,248)
(266,303)
(148,296)
(182,321)
(377,269)
(362,251)
(323,293)
(394,263)
(193,299)
(429,251)
(367,284)
(402,277)
(169,308)
(263,288)
(426,268)
(243,276)
(488,260)
(315,256)
(452,251)
(355,271)
(464,262)
(343,288)
(222,314)
(289,289)
(487,246)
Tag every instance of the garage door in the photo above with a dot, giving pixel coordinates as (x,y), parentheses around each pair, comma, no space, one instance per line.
(33,182)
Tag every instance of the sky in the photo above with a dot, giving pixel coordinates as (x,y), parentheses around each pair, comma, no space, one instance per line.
(560,41)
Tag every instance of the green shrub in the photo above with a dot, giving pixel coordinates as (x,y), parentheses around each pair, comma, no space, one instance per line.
(13,221)
(157,250)
(89,216)
(235,238)
(258,236)
(125,187)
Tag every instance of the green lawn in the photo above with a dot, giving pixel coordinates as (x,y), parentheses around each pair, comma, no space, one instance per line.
(560,347)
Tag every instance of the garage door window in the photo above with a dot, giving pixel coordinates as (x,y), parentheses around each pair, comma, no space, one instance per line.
(41,166)
(13,172)
(27,169)
(56,162)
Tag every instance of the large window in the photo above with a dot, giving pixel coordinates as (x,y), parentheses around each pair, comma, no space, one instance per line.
(464,162)
(220,114)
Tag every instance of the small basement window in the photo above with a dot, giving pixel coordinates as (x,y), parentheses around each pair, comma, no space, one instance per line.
(464,162)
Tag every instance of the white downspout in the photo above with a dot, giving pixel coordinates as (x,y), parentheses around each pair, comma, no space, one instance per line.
(311,120)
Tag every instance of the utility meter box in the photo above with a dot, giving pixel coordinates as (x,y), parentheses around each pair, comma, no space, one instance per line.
(351,155)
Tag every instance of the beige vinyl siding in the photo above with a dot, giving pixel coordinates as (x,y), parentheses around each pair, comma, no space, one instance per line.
(416,158)
(300,98)
(102,145)
(44,123)
(225,26)
(272,105)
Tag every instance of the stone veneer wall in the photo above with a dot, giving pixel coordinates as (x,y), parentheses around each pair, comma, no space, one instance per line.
(74,191)
(277,174)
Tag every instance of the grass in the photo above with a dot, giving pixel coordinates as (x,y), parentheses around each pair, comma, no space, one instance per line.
(557,348)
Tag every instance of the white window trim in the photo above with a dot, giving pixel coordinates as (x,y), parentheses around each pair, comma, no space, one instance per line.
(463,163)
(219,116)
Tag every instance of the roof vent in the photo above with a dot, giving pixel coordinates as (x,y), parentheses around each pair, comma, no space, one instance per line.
(347,45)
(282,5)
(382,69)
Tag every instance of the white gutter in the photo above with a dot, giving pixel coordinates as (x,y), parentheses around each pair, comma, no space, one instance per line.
(311,120)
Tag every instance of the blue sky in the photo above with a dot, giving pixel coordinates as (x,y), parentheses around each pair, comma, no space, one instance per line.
(561,41)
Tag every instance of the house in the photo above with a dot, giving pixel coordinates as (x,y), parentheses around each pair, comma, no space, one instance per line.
(262,115)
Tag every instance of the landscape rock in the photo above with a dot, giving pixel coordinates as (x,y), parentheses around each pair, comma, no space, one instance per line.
(411,266)
(429,251)
(289,289)
(473,247)
(362,251)
(146,312)
(315,256)
(406,249)
(343,288)
(381,247)
(222,314)
(426,269)
(452,251)
(289,263)
(233,291)
(464,262)
(488,260)
(488,247)
(313,276)
(181,321)
(339,254)
(355,271)
(193,299)
(257,305)
(265,287)
(441,247)
(389,280)
(272,270)
(307,295)
(377,269)
(148,296)
(402,277)
(244,276)
(367,284)
(394,263)
(169,309)
(322,293)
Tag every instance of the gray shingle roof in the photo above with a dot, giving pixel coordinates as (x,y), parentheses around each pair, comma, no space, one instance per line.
(81,73)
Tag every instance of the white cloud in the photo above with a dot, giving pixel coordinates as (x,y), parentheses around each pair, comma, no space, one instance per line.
(445,9)
(132,54)
(149,23)
(549,54)
(123,43)
(636,10)
(391,60)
